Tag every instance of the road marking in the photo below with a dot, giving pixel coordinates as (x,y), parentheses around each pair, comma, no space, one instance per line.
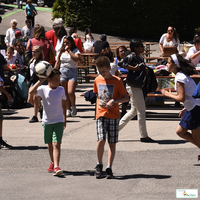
(3,16)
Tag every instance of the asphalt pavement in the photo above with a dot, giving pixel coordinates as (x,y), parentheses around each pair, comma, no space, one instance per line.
(142,171)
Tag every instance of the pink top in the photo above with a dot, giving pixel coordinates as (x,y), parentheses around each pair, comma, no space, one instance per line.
(44,43)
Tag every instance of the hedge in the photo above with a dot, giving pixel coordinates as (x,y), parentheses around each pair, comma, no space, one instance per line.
(147,19)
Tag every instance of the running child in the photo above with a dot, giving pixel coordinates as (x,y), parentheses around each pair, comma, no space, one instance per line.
(185,87)
(54,116)
(110,91)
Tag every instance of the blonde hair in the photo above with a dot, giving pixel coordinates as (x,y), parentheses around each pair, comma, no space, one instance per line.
(38,48)
(13,20)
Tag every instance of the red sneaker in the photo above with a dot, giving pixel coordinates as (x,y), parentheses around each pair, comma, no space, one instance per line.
(57,171)
(198,157)
(51,166)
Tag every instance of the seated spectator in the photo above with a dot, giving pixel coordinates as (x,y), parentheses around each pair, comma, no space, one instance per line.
(19,53)
(120,52)
(171,38)
(27,31)
(88,35)
(108,53)
(10,58)
(10,33)
(194,52)
(77,39)
(17,37)
(100,44)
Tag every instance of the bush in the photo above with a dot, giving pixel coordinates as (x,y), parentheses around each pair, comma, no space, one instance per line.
(139,18)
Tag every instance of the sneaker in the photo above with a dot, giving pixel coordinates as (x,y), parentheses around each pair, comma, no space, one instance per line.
(68,113)
(74,112)
(147,139)
(4,145)
(198,157)
(51,167)
(57,171)
(109,174)
(34,119)
(99,168)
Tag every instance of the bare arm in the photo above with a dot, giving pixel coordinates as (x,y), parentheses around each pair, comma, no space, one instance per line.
(134,68)
(5,92)
(64,111)
(52,49)
(28,46)
(57,65)
(161,48)
(193,56)
(180,97)
(75,57)
(33,90)
(5,68)
(124,98)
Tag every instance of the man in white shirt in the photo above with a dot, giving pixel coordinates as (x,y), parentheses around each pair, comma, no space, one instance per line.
(194,52)
(10,33)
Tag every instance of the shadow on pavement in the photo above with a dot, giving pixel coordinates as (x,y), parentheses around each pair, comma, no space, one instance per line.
(28,148)
(80,173)
(171,141)
(16,118)
(135,176)
(3,9)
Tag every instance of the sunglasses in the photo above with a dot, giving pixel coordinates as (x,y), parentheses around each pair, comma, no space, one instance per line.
(122,51)
(170,31)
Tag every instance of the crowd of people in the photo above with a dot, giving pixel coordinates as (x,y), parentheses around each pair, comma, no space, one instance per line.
(32,44)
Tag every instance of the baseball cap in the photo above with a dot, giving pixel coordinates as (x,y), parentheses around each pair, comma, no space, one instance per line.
(58,21)
(18,33)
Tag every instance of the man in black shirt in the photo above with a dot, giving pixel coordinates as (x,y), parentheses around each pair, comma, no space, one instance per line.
(100,44)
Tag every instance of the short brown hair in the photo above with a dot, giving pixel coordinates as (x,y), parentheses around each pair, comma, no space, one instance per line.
(102,61)
(108,53)
(10,49)
(38,32)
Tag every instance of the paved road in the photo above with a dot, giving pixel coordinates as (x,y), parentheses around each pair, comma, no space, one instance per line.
(142,171)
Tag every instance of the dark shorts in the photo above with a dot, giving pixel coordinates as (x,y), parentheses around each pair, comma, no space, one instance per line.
(191,119)
(108,127)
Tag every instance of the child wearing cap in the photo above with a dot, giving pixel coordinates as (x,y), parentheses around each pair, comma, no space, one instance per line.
(17,37)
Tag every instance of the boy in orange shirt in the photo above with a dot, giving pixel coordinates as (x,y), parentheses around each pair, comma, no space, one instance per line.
(110,91)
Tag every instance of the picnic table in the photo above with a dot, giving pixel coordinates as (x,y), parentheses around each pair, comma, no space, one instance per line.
(84,64)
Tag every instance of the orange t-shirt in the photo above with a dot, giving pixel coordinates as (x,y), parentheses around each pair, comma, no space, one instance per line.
(107,89)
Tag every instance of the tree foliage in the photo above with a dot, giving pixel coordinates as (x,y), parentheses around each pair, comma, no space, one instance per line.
(138,18)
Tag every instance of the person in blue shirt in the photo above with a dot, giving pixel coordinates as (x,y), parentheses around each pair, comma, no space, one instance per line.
(30,12)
